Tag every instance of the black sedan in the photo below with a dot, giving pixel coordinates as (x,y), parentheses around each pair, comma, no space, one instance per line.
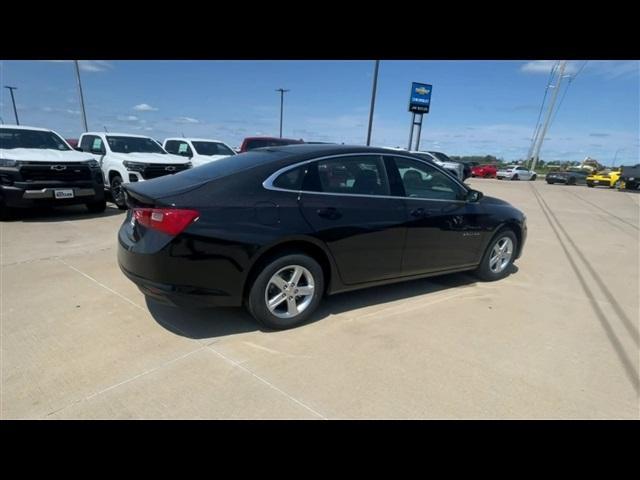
(278,228)
(567,177)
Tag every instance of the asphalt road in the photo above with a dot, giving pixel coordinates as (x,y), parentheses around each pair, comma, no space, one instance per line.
(557,339)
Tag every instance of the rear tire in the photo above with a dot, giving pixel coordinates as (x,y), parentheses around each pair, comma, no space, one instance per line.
(97,207)
(515,177)
(616,184)
(590,184)
(276,281)
(117,194)
(491,270)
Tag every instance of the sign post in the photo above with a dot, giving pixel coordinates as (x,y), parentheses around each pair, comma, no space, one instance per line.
(419,103)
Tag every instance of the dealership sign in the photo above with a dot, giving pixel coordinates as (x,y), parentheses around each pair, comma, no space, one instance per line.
(420,98)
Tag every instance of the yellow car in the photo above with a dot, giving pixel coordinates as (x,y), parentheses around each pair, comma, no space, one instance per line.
(609,178)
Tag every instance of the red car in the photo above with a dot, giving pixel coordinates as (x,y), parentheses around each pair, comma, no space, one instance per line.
(484,171)
(250,143)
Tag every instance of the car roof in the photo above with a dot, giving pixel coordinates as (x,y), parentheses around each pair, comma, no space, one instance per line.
(116,134)
(315,149)
(274,138)
(192,139)
(26,127)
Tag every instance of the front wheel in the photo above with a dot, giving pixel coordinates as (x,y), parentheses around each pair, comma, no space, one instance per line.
(533,177)
(590,184)
(117,192)
(515,177)
(499,256)
(287,291)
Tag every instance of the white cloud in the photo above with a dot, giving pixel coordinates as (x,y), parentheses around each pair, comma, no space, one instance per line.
(187,120)
(610,69)
(545,66)
(145,107)
(94,65)
(127,118)
(88,65)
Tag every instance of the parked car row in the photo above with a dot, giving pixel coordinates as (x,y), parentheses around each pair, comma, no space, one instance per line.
(623,178)
(39,167)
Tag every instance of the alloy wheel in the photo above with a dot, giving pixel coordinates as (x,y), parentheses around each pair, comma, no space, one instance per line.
(289,291)
(501,255)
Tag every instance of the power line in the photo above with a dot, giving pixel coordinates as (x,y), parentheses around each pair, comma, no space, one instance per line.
(544,98)
(571,79)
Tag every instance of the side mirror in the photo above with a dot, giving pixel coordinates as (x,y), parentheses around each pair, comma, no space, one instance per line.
(474,196)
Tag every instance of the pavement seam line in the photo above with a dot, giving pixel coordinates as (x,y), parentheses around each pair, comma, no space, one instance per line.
(101,284)
(146,372)
(266,382)
(204,345)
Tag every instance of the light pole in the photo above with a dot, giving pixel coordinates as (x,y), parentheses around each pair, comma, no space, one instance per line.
(373,101)
(282,91)
(13,100)
(84,114)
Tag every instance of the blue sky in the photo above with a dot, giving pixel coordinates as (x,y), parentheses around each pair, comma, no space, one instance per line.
(478,107)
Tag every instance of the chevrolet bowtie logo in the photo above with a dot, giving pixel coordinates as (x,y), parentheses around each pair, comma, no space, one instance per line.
(422,90)
(58,168)
(170,169)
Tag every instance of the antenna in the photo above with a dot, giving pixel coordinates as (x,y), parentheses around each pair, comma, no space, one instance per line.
(182,134)
(105,129)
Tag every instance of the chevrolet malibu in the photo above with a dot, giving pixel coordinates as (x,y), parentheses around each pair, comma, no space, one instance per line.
(278,228)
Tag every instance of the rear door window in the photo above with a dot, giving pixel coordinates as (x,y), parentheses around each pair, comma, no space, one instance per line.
(352,175)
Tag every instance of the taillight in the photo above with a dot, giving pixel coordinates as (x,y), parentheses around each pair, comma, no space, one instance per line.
(171,221)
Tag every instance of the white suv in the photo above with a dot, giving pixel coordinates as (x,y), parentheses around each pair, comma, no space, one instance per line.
(129,158)
(198,150)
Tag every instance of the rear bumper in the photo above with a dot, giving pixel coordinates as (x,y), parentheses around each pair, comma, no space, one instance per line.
(180,295)
(182,271)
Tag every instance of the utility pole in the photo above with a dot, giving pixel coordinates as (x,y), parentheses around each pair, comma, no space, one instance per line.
(84,114)
(282,91)
(13,100)
(543,132)
(373,101)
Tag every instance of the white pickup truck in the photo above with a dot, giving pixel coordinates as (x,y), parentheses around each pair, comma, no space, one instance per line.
(129,158)
(198,150)
(38,167)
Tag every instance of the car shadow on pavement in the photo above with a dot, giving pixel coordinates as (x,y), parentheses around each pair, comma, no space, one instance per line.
(209,323)
(61,214)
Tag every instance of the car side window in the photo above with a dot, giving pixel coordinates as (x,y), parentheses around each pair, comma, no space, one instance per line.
(97,146)
(424,181)
(291,179)
(355,175)
(85,143)
(184,149)
(171,147)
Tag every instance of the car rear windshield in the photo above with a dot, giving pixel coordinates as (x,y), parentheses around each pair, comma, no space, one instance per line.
(232,164)
(133,145)
(19,138)
(269,142)
(212,148)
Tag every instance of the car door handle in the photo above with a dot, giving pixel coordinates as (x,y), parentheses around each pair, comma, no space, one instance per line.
(423,212)
(329,213)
